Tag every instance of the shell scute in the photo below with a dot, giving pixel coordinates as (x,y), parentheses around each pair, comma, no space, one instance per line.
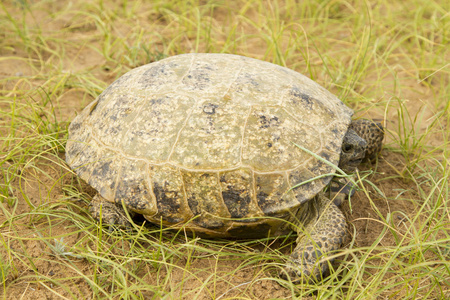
(274,195)
(168,188)
(83,160)
(270,137)
(161,76)
(133,189)
(204,199)
(153,132)
(211,137)
(104,173)
(238,194)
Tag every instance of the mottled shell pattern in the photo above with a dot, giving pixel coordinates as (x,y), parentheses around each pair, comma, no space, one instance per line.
(209,139)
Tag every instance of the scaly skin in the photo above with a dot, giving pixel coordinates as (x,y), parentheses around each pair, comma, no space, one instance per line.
(323,234)
(110,213)
(372,133)
(323,227)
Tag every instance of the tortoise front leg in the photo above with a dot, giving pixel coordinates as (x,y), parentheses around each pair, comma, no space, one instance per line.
(322,234)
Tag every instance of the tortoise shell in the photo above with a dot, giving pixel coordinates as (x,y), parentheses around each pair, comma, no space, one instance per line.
(208,141)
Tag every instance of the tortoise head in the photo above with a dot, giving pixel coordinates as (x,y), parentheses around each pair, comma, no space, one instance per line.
(353,151)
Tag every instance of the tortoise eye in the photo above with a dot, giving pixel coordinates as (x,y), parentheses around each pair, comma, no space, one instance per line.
(347,148)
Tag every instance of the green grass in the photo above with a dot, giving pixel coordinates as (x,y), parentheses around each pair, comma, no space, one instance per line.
(388,60)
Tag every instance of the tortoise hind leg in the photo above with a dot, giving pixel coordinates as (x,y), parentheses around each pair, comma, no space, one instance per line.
(323,234)
(110,213)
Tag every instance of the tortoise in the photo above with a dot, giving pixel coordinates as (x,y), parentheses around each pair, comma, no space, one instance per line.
(224,146)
